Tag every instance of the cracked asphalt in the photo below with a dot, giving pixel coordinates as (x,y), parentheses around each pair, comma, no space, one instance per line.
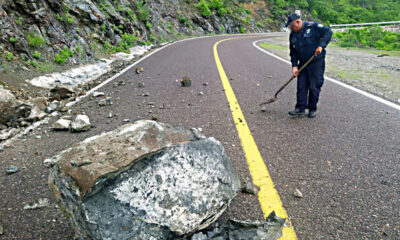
(346,161)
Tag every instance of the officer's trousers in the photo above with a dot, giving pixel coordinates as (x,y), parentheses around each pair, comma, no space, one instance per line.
(309,83)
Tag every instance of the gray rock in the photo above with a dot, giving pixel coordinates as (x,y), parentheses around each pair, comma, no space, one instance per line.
(270,229)
(61,92)
(141,85)
(145,180)
(7,100)
(42,202)
(102,102)
(80,123)
(12,169)
(8,133)
(1,229)
(36,114)
(250,188)
(186,82)
(62,124)
(98,94)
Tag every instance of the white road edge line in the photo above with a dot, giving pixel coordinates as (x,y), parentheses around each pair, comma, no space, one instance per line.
(369,95)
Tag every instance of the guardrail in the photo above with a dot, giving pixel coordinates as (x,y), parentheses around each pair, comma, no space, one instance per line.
(363,24)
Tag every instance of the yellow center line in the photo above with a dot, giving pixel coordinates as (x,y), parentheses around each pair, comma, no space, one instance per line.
(268,196)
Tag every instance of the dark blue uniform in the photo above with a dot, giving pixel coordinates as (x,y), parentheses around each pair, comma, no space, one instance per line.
(302,46)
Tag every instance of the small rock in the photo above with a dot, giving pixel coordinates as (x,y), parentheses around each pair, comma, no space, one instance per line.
(38,137)
(1,229)
(205,84)
(297,193)
(102,102)
(186,82)
(43,202)
(139,70)
(81,123)
(110,115)
(53,106)
(146,94)
(269,76)
(250,188)
(98,94)
(263,109)
(36,114)
(154,117)
(49,162)
(62,92)
(141,85)
(62,124)
(162,106)
(201,93)
(109,101)
(127,120)
(12,169)
(150,103)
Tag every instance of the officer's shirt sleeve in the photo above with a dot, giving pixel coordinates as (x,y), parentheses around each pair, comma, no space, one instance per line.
(293,57)
(325,33)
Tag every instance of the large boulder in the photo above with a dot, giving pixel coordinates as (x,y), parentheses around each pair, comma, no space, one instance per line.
(145,180)
(7,100)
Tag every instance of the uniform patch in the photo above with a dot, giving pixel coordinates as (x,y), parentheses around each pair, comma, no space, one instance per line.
(310,24)
(320,25)
(308,31)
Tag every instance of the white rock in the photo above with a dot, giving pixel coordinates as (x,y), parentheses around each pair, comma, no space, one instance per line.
(36,114)
(98,94)
(43,202)
(81,123)
(297,193)
(62,124)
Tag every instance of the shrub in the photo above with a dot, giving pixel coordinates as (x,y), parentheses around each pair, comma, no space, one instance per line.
(222,12)
(203,7)
(9,55)
(242,29)
(103,27)
(63,55)
(59,17)
(143,11)
(131,14)
(222,28)
(215,4)
(32,63)
(78,30)
(260,24)
(182,18)
(69,19)
(148,25)
(13,39)
(36,54)
(35,40)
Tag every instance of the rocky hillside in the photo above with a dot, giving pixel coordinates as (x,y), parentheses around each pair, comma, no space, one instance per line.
(46,36)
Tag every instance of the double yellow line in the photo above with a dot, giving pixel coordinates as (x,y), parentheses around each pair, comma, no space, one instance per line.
(268,196)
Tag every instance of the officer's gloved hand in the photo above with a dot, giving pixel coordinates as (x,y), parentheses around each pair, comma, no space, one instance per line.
(295,71)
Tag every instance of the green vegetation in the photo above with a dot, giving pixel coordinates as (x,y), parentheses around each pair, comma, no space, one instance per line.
(69,19)
(222,12)
(59,17)
(32,63)
(340,11)
(13,39)
(242,29)
(78,30)
(9,55)
(203,7)
(131,14)
(148,25)
(143,11)
(373,37)
(63,55)
(222,28)
(128,41)
(36,54)
(19,21)
(103,27)
(35,40)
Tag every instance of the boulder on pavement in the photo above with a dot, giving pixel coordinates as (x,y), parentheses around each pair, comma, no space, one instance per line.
(81,123)
(61,124)
(36,114)
(145,180)
(61,92)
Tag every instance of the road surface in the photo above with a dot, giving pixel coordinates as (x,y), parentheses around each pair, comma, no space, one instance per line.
(346,161)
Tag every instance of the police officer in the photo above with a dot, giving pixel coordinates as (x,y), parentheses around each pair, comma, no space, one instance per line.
(307,39)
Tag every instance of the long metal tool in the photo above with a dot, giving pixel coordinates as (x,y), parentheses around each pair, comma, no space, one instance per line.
(271,100)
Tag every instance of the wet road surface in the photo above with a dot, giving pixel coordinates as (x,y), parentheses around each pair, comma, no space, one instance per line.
(346,161)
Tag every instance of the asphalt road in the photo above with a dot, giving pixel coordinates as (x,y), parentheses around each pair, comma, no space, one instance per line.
(345,161)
